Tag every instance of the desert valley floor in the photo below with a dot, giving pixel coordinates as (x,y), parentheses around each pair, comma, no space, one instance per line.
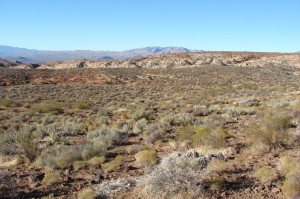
(199,132)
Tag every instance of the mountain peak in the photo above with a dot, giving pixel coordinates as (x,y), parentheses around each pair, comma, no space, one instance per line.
(39,56)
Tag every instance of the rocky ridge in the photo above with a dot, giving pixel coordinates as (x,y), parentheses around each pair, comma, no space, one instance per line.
(185,60)
(175,60)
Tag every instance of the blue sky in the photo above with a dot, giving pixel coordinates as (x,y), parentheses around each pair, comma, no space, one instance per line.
(231,25)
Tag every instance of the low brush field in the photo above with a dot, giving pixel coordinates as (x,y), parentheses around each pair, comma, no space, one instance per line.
(206,132)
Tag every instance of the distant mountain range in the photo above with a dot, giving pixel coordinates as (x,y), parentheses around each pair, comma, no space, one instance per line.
(39,56)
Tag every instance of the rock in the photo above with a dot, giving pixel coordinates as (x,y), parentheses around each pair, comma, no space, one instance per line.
(191,154)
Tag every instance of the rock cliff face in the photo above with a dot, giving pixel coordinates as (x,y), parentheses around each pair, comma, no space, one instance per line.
(185,60)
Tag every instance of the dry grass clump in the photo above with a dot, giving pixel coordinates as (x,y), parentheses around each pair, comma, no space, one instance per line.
(49,107)
(97,160)
(9,103)
(199,136)
(113,165)
(51,178)
(86,194)
(145,158)
(291,185)
(217,166)
(217,182)
(80,104)
(290,168)
(63,157)
(287,164)
(77,165)
(265,175)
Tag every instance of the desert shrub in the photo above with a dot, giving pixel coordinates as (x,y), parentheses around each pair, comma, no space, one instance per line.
(140,126)
(62,157)
(55,137)
(51,178)
(201,110)
(48,119)
(217,182)
(145,158)
(265,174)
(212,136)
(249,102)
(111,136)
(113,165)
(66,128)
(19,142)
(237,111)
(86,194)
(272,131)
(97,147)
(176,176)
(139,114)
(59,132)
(154,132)
(167,122)
(70,128)
(183,120)
(291,185)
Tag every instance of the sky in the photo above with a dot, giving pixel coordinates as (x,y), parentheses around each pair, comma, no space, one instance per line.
(216,25)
